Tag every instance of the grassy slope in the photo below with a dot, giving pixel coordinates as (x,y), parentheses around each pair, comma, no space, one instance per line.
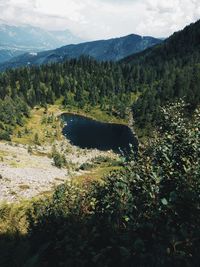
(46,132)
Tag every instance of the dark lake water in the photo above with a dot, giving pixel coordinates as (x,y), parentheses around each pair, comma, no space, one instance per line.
(88,133)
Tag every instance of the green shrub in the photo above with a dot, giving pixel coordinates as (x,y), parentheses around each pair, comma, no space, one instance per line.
(4,135)
(2,126)
(19,134)
(86,166)
(58,159)
(30,150)
(36,139)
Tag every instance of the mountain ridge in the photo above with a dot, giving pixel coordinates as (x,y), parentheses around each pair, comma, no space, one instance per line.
(102,50)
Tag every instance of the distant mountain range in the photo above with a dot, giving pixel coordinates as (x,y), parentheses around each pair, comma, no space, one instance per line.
(16,40)
(102,50)
(7,54)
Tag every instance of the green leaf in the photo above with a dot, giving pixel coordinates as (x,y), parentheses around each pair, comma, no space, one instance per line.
(164,201)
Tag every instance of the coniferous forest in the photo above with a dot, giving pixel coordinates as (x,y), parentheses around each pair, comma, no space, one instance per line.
(148,212)
(156,78)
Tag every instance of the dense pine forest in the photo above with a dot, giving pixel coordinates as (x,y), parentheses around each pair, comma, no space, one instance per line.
(78,82)
(146,214)
(112,86)
(165,73)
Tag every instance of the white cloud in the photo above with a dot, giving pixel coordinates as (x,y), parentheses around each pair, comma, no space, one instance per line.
(95,19)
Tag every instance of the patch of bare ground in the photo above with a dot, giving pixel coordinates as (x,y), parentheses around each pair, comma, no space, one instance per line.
(26,175)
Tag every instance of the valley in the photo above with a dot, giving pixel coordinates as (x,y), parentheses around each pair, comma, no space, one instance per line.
(18,40)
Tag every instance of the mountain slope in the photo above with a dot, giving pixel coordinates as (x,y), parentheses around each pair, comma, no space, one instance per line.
(7,54)
(182,44)
(103,50)
(168,72)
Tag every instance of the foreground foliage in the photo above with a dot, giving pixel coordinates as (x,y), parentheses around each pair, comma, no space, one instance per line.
(145,215)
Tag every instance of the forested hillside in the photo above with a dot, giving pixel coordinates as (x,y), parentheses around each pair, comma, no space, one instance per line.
(174,68)
(182,47)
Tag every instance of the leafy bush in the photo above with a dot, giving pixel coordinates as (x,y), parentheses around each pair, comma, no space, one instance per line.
(2,126)
(58,158)
(86,166)
(4,135)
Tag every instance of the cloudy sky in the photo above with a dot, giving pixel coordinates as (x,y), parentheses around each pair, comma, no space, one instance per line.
(96,19)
